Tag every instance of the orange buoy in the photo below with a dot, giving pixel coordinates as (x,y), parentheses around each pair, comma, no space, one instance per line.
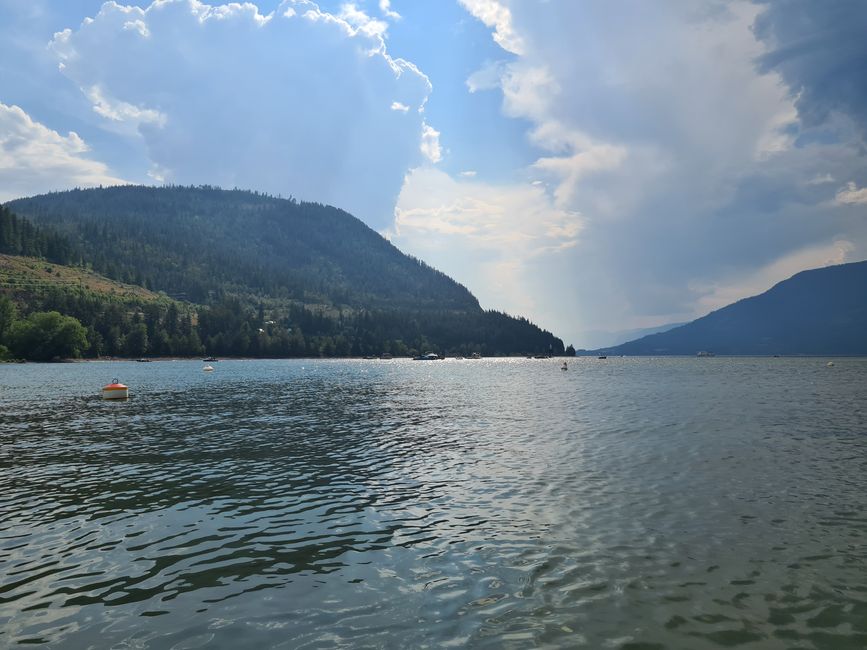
(115,390)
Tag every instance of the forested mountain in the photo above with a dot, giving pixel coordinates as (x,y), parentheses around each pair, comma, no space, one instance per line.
(194,242)
(817,312)
(255,275)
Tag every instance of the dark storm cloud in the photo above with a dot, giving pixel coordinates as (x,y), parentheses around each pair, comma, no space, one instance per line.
(820,50)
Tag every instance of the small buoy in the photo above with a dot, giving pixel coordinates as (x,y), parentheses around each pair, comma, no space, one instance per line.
(115,390)
(208,368)
(830,364)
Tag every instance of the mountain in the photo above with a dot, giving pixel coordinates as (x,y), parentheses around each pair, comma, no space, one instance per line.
(817,312)
(605,339)
(268,276)
(191,241)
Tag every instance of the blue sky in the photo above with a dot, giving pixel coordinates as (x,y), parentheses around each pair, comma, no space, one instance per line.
(593,166)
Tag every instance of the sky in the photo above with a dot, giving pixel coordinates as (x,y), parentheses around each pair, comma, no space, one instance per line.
(593,166)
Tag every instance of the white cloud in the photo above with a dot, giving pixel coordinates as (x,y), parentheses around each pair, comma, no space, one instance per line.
(469,173)
(36,159)
(851,195)
(299,102)
(492,237)
(488,77)
(495,14)
(430,143)
(361,21)
(654,124)
(118,111)
(385,8)
(583,157)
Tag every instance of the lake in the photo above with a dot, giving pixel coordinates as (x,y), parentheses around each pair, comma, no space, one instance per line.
(634,503)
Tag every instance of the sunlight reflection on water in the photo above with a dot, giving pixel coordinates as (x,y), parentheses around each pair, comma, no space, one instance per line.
(634,503)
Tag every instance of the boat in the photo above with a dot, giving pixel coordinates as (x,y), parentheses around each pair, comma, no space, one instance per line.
(386,355)
(115,390)
(429,356)
(705,353)
(602,357)
(143,360)
(565,366)
(211,360)
(475,355)
(208,369)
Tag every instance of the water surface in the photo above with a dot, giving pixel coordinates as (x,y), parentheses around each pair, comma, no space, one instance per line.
(627,503)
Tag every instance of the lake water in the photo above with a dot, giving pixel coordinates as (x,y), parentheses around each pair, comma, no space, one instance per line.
(627,503)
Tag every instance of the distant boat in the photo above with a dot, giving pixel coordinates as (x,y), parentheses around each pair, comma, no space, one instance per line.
(143,360)
(475,355)
(565,366)
(602,357)
(705,353)
(385,355)
(211,360)
(541,356)
(430,356)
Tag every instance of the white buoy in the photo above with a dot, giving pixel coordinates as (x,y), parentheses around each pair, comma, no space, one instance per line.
(208,368)
(115,390)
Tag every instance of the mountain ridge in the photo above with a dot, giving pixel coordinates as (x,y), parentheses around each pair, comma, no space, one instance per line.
(815,312)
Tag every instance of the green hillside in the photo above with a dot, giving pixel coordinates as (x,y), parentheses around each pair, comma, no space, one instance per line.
(195,241)
(263,276)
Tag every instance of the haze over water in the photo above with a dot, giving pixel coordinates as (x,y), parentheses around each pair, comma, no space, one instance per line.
(627,503)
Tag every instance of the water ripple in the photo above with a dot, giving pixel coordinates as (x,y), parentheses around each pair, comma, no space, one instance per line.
(635,504)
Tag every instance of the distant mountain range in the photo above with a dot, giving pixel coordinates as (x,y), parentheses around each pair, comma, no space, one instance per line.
(817,312)
(266,275)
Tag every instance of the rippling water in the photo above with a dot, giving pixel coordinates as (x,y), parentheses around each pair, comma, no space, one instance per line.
(627,503)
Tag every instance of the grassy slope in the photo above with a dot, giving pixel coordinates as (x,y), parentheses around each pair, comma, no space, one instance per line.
(28,274)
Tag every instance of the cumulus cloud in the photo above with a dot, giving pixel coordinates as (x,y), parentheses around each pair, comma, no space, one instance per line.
(299,101)
(36,159)
(851,195)
(361,21)
(430,143)
(682,141)
(387,11)
(497,15)
(496,237)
